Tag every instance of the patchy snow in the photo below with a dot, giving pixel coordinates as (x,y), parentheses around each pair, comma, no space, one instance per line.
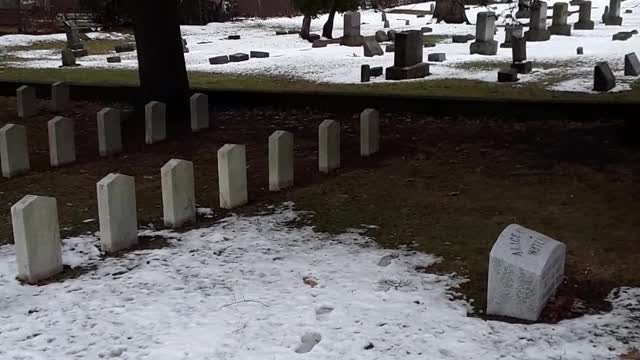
(236,291)
(294,57)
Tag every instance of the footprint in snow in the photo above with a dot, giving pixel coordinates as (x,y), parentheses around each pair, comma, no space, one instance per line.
(322,313)
(309,340)
(386,260)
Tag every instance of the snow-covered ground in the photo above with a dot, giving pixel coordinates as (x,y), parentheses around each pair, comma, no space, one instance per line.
(294,57)
(257,288)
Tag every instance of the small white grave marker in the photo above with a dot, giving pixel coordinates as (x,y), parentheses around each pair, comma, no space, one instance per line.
(178,194)
(199,112)
(109,132)
(232,176)
(26,96)
(329,146)
(62,143)
(369,132)
(14,151)
(117,212)
(60,95)
(155,114)
(280,160)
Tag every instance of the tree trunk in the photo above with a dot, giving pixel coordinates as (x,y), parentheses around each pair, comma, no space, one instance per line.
(327,29)
(306,27)
(161,66)
(451,11)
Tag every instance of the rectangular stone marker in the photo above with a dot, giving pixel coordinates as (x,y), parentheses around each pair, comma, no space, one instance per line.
(114,59)
(155,116)
(328,146)
(124,48)
(525,269)
(538,23)
(519,49)
(109,132)
(603,78)
(408,55)
(437,57)
(509,32)
(14,151)
(631,65)
(117,212)
(68,58)
(371,47)
(365,76)
(219,60)
(612,17)
(259,54)
(584,17)
(26,96)
(559,24)
(36,234)
(351,29)
(369,132)
(485,30)
(280,160)
(376,71)
(508,75)
(178,194)
(232,176)
(60,96)
(238,57)
(199,112)
(62,143)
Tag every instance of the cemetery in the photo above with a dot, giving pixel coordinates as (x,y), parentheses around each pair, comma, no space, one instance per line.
(219,226)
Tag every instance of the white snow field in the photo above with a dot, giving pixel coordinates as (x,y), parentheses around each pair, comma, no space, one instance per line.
(256,287)
(294,58)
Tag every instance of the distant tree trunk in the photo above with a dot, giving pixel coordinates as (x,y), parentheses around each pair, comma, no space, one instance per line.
(161,66)
(327,29)
(306,27)
(451,11)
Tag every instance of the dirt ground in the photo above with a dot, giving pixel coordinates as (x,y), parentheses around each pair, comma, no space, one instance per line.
(446,186)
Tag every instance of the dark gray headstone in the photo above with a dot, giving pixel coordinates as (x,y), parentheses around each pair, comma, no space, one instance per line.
(371,47)
(559,24)
(437,57)
(407,23)
(68,58)
(628,11)
(584,19)
(319,43)
(507,75)
(622,36)
(509,31)
(259,54)
(580,51)
(376,71)
(386,24)
(384,16)
(124,48)
(218,60)
(238,57)
(313,37)
(408,57)
(612,17)
(538,23)
(519,49)
(364,73)
(351,30)
(392,35)
(426,29)
(524,67)
(485,31)
(281,32)
(631,65)
(390,48)
(603,78)
(114,59)
(233,37)
(381,36)
(462,39)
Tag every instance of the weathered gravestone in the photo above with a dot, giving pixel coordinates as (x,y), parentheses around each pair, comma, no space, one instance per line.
(538,23)
(437,57)
(381,36)
(218,60)
(258,54)
(14,151)
(365,76)
(328,146)
(26,97)
(525,269)
(407,60)
(178,194)
(60,95)
(371,47)
(390,48)
(612,17)
(384,16)
(519,52)
(62,143)
(559,24)
(319,43)
(199,106)
(509,32)
(622,36)
(109,132)
(462,39)
(352,35)
(238,57)
(155,116)
(631,65)
(584,17)
(68,58)
(485,30)
(508,75)
(392,35)
(523,9)
(386,24)
(117,212)
(280,160)
(36,234)
(369,132)
(232,176)
(376,71)
(73,36)
(114,59)
(580,50)
(603,78)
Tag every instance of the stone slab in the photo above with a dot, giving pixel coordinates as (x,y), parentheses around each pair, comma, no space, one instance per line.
(232,176)
(371,47)
(60,96)
(328,146)
(259,54)
(369,132)
(155,119)
(238,57)
(178,194)
(109,132)
(281,160)
(26,97)
(114,59)
(622,36)
(390,48)
(14,150)
(218,60)
(233,37)
(199,110)
(631,65)
(437,57)
(62,143)
(603,78)
(117,212)
(410,72)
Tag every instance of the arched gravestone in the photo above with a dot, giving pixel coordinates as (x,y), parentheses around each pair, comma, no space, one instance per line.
(525,269)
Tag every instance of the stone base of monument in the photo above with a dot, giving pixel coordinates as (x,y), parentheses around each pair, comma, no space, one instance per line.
(508,75)
(525,269)
(537,35)
(524,14)
(586,25)
(484,47)
(416,71)
(351,41)
(613,21)
(524,67)
(80,53)
(506,45)
(564,30)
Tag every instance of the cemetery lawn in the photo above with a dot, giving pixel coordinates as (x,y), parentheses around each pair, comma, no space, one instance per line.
(440,87)
(445,186)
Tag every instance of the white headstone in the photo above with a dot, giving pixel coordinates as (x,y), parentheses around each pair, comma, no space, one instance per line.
(14,151)
(26,96)
(62,143)
(178,194)
(280,160)
(117,212)
(232,176)
(36,234)
(109,132)
(369,132)
(329,146)
(60,96)
(199,112)
(525,269)
(155,115)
